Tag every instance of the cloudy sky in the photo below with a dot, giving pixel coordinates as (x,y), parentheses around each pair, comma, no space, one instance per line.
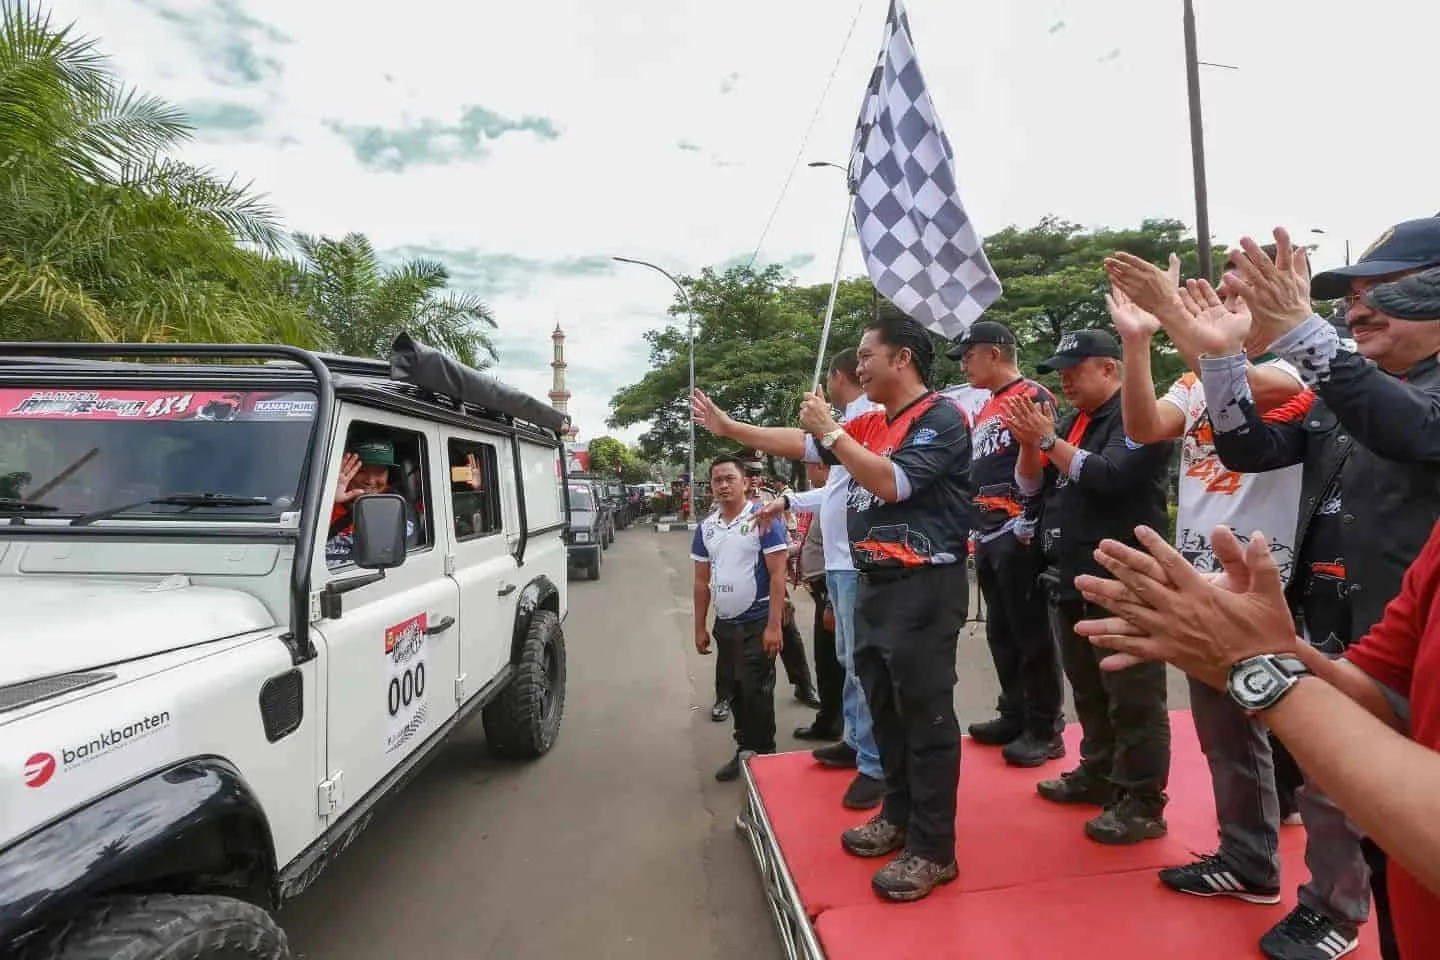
(524,144)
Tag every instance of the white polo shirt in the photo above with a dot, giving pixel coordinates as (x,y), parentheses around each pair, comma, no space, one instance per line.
(736,551)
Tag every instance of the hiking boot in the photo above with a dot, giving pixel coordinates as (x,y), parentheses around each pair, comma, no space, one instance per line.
(874,838)
(1078,786)
(731,770)
(1211,876)
(1032,751)
(1130,819)
(864,793)
(995,733)
(909,877)
(1307,934)
(839,755)
(721,711)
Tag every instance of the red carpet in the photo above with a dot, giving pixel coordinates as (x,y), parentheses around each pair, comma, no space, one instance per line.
(1031,883)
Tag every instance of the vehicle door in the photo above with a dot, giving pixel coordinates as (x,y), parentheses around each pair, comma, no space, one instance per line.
(392,655)
(480,562)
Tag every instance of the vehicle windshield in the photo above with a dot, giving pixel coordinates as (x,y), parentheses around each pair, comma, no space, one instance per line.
(580,501)
(67,453)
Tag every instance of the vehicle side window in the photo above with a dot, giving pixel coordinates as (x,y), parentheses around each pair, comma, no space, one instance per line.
(474,489)
(379,459)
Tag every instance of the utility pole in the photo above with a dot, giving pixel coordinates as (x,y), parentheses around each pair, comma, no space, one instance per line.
(1197,145)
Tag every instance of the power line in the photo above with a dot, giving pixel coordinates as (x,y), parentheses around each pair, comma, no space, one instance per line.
(805,140)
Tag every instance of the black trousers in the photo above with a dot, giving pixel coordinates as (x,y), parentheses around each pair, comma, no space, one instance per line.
(792,655)
(752,692)
(906,630)
(829,672)
(1124,715)
(1027,664)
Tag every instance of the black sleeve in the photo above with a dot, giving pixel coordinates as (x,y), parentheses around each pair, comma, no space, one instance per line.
(1392,418)
(938,441)
(1271,443)
(1122,465)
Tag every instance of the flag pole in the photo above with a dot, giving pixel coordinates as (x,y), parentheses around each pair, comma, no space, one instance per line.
(830,307)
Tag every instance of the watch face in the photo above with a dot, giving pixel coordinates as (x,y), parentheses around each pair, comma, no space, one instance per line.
(1256,684)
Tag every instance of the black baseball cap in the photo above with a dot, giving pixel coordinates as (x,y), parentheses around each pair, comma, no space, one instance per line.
(1416,297)
(981,331)
(1080,345)
(1412,245)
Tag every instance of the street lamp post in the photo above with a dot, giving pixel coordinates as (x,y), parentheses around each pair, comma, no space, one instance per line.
(690,310)
(1193,63)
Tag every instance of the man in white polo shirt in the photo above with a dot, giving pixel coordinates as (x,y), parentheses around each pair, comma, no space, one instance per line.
(740,565)
(858,748)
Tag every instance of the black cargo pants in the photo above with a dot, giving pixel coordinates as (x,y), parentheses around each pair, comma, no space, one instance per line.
(1027,664)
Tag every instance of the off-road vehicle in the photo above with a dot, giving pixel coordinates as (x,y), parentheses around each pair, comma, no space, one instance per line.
(247,592)
(585,536)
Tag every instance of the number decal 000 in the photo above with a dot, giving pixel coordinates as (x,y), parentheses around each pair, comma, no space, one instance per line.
(406,687)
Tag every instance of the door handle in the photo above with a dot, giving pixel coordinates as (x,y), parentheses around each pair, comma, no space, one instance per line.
(506,590)
(445,624)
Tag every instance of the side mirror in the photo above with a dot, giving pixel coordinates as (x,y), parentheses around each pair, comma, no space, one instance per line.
(380,531)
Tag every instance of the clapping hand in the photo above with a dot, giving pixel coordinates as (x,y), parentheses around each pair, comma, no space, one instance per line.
(1132,323)
(1149,288)
(1276,291)
(1166,610)
(1211,326)
(1027,421)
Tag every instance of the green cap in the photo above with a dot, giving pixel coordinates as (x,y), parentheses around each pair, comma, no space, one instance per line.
(376,453)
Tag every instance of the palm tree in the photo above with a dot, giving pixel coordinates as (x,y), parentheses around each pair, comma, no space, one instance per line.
(362,306)
(101,236)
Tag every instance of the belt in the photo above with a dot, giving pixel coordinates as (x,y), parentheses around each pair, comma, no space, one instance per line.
(892,574)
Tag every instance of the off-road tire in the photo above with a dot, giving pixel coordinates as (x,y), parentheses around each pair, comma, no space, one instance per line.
(517,723)
(594,568)
(162,927)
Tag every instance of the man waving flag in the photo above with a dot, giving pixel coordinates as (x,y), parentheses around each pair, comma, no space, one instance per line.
(921,250)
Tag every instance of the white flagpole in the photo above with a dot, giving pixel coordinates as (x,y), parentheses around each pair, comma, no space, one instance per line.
(830,307)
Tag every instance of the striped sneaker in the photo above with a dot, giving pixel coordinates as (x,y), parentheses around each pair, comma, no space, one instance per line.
(1210,876)
(1307,934)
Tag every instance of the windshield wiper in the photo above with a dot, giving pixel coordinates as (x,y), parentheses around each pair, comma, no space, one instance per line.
(11,504)
(174,500)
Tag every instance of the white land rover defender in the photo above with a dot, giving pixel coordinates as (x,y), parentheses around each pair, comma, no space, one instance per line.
(245,592)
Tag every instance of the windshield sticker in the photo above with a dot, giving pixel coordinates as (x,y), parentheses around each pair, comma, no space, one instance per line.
(405,702)
(26,404)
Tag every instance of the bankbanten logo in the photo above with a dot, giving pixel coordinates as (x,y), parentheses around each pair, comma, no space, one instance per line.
(39,769)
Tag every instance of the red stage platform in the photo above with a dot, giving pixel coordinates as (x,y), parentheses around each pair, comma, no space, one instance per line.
(1031,884)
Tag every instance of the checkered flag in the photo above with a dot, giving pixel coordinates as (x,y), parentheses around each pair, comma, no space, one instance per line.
(921,250)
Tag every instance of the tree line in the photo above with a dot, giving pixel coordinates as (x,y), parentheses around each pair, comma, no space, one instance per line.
(757,330)
(106,237)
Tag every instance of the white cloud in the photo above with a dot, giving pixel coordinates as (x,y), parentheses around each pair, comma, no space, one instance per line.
(1087,121)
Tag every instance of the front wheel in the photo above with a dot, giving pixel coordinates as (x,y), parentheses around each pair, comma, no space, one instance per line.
(162,927)
(524,721)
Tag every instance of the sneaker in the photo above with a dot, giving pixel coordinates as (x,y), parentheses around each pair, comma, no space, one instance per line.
(1210,876)
(909,877)
(864,793)
(731,770)
(839,755)
(1078,786)
(995,733)
(874,838)
(1032,751)
(1128,820)
(1293,819)
(1307,934)
(721,711)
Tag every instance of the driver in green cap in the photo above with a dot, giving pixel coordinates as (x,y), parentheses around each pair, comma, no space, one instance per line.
(366,468)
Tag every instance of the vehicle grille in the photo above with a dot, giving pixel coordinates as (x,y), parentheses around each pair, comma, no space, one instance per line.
(33,691)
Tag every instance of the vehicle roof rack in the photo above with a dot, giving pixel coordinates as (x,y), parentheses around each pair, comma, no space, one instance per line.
(415,364)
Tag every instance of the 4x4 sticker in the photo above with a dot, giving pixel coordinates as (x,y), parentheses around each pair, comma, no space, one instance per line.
(19,403)
(40,768)
(405,686)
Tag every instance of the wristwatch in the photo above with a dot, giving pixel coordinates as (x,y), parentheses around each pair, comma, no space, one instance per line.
(829,439)
(1047,443)
(1258,683)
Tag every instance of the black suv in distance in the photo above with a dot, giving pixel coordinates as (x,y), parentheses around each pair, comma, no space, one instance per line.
(585,537)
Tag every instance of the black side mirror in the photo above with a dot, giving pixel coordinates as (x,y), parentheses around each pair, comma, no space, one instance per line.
(380,528)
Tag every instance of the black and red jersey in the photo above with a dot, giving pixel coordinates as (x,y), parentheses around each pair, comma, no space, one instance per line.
(930,442)
(993,452)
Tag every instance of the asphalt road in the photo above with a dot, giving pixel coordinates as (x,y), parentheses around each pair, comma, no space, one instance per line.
(619,843)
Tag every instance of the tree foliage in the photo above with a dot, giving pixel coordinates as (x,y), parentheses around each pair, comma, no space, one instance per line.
(757,331)
(103,237)
(611,457)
